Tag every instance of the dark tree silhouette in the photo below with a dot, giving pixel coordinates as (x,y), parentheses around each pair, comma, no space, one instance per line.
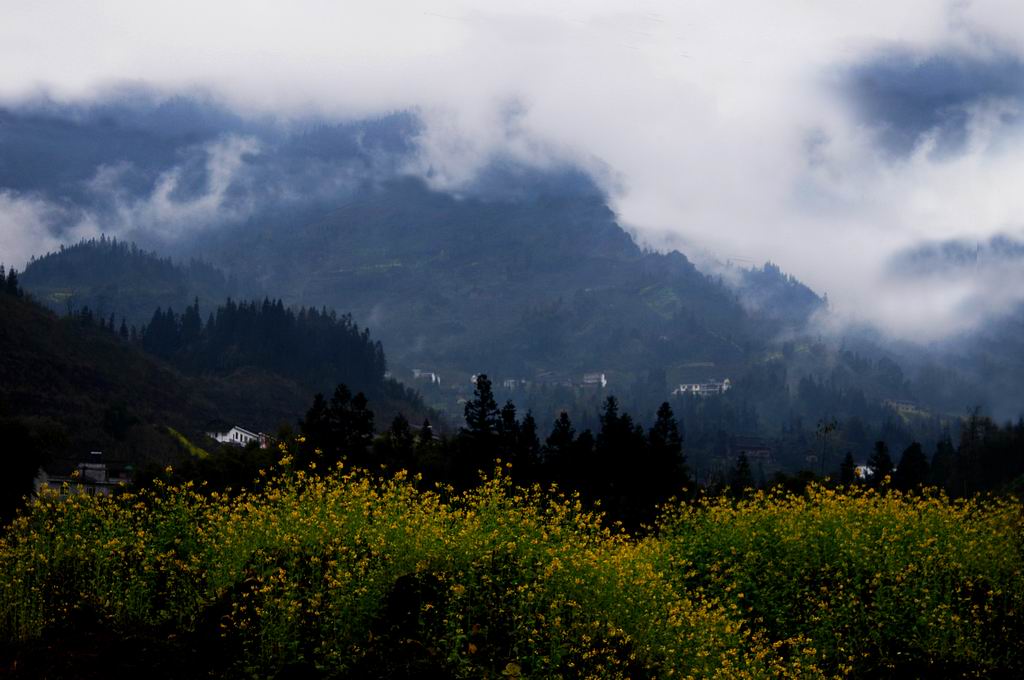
(848,470)
(666,451)
(481,412)
(912,471)
(880,463)
(338,429)
(741,480)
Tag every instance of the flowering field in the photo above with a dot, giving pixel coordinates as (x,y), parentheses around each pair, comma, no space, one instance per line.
(348,576)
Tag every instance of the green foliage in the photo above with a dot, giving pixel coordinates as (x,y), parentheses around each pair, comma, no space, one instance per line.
(912,471)
(880,585)
(350,576)
(117,277)
(316,348)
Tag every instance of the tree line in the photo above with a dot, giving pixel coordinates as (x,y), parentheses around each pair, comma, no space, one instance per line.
(308,345)
(625,468)
(9,284)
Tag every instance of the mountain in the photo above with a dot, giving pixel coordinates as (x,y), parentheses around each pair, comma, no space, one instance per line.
(521,272)
(770,292)
(981,365)
(518,287)
(114,277)
(89,391)
(82,387)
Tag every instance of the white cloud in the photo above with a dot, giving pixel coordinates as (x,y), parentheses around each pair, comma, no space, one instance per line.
(165,215)
(32,226)
(721,121)
(26,228)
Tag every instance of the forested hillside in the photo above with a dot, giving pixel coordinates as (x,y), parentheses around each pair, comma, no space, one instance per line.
(80,383)
(514,286)
(113,277)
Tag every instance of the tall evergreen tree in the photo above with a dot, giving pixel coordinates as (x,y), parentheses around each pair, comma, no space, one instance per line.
(912,471)
(481,412)
(508,429)
(396,447)
(741,480)
(943,463)
(880,463)
(191,324)
(848,470)
(558,449)
(666,450)
(621,461)
(11,285)
(342,427)
(526,461)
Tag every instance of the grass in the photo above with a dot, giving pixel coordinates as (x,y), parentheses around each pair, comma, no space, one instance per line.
(346,575)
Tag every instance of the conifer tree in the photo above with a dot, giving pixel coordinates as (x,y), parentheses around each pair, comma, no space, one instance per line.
(742,479)
(526,452)
(666,448)
(481,412)
(848,470)
(559,448)
(943,463)
(912,472)
(880,463)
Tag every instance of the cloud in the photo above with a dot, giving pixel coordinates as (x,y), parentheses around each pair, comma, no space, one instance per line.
(27,227)
(823,136)
(184,199)
(175,207)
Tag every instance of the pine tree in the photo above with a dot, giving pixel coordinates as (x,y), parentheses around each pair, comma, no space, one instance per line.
(508,428)
(559,448)
(880,463)
(396,447)
(11,284)
(912,471)
(943,463)
(526,453)
(848,470)
(742,479)
(481,412)
(621,470)
(666,449)
(191,324)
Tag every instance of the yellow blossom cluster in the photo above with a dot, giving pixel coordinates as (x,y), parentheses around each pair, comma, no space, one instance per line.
(344,570)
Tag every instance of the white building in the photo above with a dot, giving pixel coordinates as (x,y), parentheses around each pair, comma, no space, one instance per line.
(420,374)
(239,436)
(595,379)
(704,389)
(515,383)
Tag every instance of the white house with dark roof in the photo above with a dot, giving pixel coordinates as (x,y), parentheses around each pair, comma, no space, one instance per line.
(239,436)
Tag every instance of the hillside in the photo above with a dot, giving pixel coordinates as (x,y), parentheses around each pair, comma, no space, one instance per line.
(515,286)
(114,277)
(83,388)
(90,391)
(522,273)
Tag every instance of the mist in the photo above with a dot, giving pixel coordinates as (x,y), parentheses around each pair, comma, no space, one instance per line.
(828,138)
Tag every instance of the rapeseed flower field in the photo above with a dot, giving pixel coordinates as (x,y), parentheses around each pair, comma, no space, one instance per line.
(349,575)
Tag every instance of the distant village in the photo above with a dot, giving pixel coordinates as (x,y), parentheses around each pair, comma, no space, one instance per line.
(589,380)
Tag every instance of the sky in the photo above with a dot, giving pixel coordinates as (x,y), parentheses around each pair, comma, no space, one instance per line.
(830,137)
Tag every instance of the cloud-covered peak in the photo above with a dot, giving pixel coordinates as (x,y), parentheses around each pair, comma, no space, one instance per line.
(824,137)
